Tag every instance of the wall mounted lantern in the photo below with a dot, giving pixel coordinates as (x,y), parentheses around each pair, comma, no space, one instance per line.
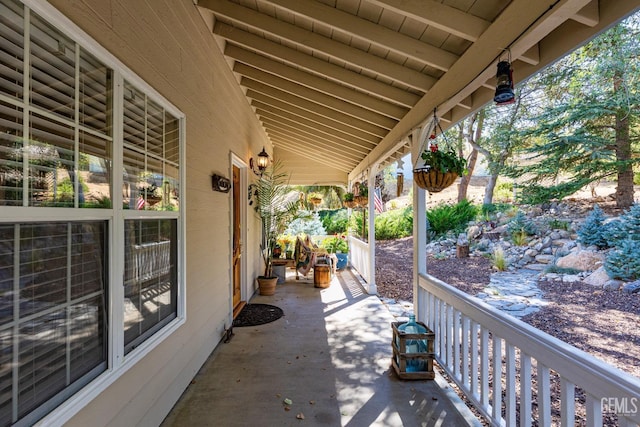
(504,85)
(261,162)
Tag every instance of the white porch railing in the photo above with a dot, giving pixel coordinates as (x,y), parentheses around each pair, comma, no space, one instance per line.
(359,257)
(476,343)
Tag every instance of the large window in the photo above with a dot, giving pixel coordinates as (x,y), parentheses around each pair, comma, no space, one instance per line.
(73,128)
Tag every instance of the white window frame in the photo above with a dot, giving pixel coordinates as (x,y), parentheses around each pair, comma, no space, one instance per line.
(118,364)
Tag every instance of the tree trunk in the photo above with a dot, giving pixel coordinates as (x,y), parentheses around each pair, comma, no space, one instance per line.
(488,190)
(473,157)
(624,191)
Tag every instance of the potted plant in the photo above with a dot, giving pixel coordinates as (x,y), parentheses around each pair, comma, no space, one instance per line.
(276,209)
(348,200)
(441,168)
(338,245)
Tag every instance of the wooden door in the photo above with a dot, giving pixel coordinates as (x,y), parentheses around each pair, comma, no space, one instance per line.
(237,240)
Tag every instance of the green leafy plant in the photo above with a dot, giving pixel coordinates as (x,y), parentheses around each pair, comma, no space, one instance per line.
(521,224)
(348,197)
(519,238)
(334,221)
(444,161)
(394,224)
(275,207)
(336,244)
(447,217)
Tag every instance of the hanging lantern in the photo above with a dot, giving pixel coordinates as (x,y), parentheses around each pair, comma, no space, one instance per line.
(504,85)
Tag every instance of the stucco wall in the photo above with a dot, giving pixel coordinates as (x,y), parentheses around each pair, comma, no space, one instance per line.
(167,43)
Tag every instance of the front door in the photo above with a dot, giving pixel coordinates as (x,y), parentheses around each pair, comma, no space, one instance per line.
(237,240)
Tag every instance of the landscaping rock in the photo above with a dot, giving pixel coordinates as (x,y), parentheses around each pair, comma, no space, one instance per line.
(544,259)
(582,260)
(613,285)
(598,278)
(571,278)
(632,287)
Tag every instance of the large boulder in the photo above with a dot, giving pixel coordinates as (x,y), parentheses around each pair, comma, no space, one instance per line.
(582,260)
(598,278)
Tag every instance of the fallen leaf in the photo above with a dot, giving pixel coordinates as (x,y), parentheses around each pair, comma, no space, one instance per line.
(300,416)
(287,401)
(312,402)
(286,408)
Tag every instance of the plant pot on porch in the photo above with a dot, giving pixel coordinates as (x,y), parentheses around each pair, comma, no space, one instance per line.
(432,180)
(267,285)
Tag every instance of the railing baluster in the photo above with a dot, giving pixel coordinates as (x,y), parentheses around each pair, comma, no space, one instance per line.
(525,389)
(567,402)
(456,343)
(484,366)
(443,334)
(474,359)
(497,378)
(465,351)
(510,377)
(593,408)
(450,338)
(544,395)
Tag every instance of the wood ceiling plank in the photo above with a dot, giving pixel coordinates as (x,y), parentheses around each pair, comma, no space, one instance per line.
(284,110)
(443,17)
(297,35)
(296,102)
(371,32)
(281,73)
(314,65)
(320,129)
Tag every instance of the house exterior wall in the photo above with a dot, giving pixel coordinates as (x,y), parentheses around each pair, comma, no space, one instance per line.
(168,45)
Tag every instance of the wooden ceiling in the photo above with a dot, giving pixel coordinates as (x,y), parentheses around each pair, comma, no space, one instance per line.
(339,85)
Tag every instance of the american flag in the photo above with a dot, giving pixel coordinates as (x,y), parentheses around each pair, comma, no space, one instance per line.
(377,201)
(140,203)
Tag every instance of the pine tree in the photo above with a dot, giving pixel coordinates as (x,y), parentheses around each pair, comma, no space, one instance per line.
(593,230)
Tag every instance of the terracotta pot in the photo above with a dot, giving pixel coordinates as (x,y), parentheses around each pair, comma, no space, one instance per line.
(349,204)
(433,181)
(267,285)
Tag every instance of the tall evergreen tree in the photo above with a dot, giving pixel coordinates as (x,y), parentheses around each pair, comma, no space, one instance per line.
(588,127)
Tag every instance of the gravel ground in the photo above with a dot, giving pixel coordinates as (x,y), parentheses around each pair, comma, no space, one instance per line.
(601,323)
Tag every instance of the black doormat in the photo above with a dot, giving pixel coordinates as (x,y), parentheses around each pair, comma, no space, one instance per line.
(257,314)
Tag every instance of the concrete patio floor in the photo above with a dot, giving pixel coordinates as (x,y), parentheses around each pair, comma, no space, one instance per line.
(329,354)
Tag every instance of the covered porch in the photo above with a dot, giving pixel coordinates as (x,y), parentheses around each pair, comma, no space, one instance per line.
(330,354)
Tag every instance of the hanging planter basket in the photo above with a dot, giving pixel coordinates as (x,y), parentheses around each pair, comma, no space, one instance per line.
(350,204)
(432,180)
(361,201)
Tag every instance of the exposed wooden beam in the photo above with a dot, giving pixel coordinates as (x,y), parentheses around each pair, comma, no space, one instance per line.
(371,32)
(314,41)
(316,66)
(438,15)
(282,108)
(588,15)
(328,87)
(308,124)
(295,102)
(318,154)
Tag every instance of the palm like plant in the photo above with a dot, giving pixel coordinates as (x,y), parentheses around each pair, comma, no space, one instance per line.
(275,208)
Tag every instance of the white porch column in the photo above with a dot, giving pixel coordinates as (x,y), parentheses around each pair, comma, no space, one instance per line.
(419,224)
(372,288)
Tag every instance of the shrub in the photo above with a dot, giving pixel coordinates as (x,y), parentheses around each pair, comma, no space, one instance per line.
(553,268)
(503,191)
(520,224)
(626,227)
(519,238)
(334,221)
(446,217)
(624,262)
(394,224)
(308,225)
(593,231)
(636,178)
(558,224)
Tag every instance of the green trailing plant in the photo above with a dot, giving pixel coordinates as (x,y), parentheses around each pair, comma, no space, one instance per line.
(275,207)
(623,262)
(593,230)
(444,161)
(348,197)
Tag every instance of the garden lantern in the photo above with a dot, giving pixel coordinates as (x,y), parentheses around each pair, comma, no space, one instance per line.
(504,85)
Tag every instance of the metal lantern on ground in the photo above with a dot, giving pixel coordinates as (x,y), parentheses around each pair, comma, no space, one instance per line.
(504,85)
